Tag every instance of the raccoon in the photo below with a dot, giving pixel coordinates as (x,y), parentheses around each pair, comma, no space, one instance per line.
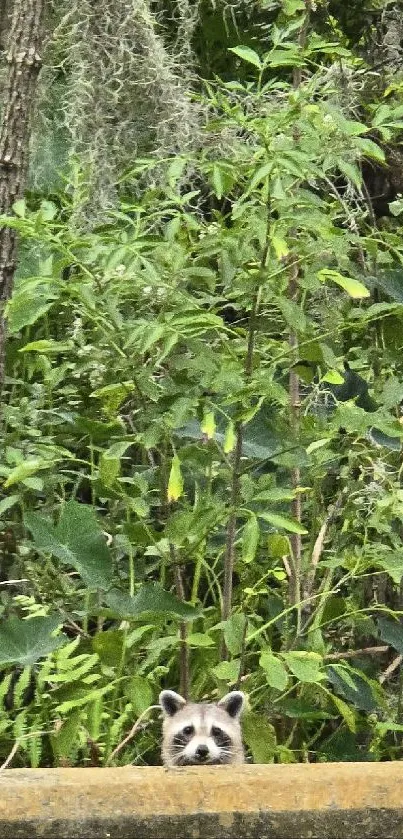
(201,734)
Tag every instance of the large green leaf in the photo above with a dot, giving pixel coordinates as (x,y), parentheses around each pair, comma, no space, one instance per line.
(274,670)
(260,736)
(77,540)
(306,666)
(25,641)
(150,598)
(352,686)
(391,631)
(391,282)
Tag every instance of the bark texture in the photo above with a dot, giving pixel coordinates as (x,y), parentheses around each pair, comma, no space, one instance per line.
(23,65)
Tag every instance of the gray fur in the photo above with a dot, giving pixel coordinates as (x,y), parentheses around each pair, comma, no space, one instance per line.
(201,733)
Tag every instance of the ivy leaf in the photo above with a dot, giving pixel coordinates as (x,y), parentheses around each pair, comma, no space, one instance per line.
(260,736)
(25,641)
(77,540)
(306,666)
(227,671)
(234,632)
(391,632)
(274,670)
(150,598)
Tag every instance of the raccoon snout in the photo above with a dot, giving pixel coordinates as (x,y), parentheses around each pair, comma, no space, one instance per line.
(202,752)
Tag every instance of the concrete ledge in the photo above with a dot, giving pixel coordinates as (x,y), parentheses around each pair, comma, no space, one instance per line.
(323,801)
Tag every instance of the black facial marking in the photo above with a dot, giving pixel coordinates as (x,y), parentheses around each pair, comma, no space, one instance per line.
(221,739)
(180,740)
(188,730)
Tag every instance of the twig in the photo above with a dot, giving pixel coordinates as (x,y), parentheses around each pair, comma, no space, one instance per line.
(318,546)
(11,755)
(12,582)
(17,745)
(355,653)
(184,663)
(391,669)
(229,559)
(296,509)
(131,733)
(230,551)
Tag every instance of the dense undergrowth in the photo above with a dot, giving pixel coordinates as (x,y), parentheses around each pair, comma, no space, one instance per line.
(212,375)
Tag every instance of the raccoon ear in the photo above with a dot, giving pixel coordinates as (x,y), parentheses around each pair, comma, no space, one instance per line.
(171,702)
(233,703)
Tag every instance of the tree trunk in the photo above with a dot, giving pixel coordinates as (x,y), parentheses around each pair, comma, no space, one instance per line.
(23,64)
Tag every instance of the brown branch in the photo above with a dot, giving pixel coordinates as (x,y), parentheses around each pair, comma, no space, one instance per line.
(8,759)
(391,669)
(23,60)
(184,659)
(355,653)
(131,733)
(296,510)
(318,547)
(229,557)
(230,552)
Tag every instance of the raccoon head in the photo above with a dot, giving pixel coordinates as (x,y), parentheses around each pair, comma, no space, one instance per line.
(201,734)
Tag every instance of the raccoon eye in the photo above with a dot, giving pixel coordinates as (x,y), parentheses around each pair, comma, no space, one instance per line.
(217,732)
(188,730)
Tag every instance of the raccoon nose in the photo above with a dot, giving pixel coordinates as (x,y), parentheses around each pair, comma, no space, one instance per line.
(202,752)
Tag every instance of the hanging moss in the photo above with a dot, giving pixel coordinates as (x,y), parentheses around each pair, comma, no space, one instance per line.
(125,92)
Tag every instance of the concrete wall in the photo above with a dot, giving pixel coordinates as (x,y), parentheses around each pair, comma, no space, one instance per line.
(323,801)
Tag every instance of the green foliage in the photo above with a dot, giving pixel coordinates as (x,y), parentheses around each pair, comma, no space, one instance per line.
(151,429)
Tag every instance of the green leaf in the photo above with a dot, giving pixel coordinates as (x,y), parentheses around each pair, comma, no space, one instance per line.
(278,545)
(175,483)
(25,470)
(274,670)
(229,439)
(318,444)
(345,711)
(140,693)
(351,172)
(275,494)
(391,631)
(23,310)
(280,521)
(150,598)
(250,539)
(290,7)
(353,287)
(260,737)
(370,149)
(207,425)
(234,632)
(199,639)
(47,347)
(8,502)
(77,541)
(361,694)
(23,642)
(248,55)
(333,377)
(109,646)
(392,563)
(306,666)
(227,671)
